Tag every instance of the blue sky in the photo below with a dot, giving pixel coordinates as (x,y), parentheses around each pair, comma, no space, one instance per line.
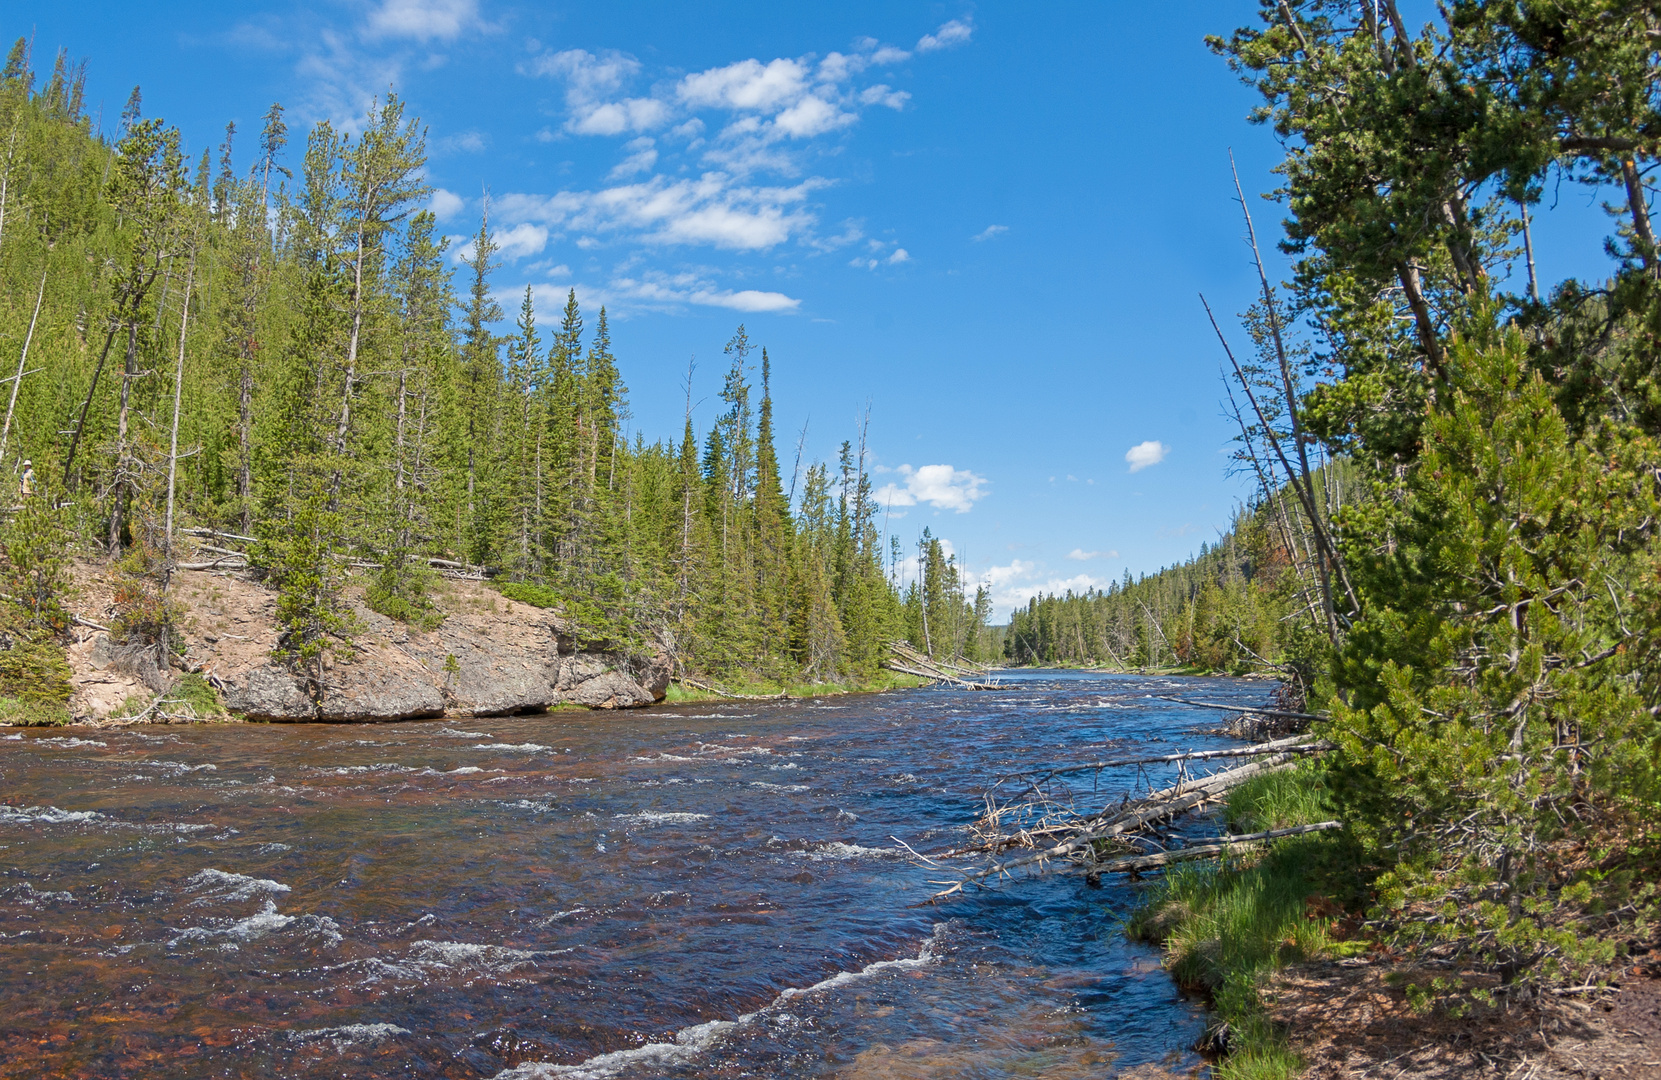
(988,224)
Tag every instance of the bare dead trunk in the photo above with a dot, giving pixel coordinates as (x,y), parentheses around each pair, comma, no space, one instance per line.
(1639,204)
(178,392)
(128,371)
(1528,251)
(17,380)
(1412,288)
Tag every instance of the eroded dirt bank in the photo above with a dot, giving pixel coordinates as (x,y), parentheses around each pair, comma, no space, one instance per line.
(491,656)
(1351,1021)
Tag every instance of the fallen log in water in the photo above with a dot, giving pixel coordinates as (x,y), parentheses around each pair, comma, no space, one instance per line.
(1134,863)
(1244,709)
(905,652)
(1296,744)
(909,661)
(1074,837)
(940,676)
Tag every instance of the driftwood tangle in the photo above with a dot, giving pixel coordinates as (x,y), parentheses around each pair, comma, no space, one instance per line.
(1050,831)
(963,676)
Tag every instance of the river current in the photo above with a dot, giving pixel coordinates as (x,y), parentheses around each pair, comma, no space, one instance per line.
(685,891)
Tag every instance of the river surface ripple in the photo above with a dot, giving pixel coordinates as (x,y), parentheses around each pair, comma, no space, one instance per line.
(690,891)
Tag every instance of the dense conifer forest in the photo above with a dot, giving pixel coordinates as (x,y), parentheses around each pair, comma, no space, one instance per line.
(275,342)
(1453,551)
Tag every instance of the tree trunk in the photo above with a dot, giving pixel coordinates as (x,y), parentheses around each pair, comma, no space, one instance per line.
(1639,204)
(17,380)
(128,371)
(178,391)
(1411,287)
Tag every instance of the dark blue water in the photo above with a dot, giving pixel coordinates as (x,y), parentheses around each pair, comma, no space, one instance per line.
(690,891)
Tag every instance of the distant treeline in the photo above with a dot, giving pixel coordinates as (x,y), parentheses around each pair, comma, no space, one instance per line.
(1238,606)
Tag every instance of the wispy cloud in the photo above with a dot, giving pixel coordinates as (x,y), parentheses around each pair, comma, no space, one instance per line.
(344,63)
(940,486)
(642,157)
(1145,454)
(1013,585)
(1080,555)
(877,258)
(711,210)
(592,86)
(954,33)
(989,232)
(764,108)
(463,142)
(423,20)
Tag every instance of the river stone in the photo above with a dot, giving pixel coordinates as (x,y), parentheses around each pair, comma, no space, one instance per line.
(609,690)
(268,693)
(355,693)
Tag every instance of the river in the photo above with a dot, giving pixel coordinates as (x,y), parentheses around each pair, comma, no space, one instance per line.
(686,891)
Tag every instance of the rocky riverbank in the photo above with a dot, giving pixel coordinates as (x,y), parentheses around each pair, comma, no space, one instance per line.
(491,657)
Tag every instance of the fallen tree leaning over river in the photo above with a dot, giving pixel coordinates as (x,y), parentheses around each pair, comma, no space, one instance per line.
(1049,827)
(904,658)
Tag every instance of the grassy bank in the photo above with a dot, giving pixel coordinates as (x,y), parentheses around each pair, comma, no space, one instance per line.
(887,680)
(1226,925)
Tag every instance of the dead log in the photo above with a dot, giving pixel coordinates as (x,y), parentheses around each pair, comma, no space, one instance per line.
(1134,863)
(1110,822)
(1244,709)
(1296,744)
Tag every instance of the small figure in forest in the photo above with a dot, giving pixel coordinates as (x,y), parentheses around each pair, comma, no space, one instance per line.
(27,480)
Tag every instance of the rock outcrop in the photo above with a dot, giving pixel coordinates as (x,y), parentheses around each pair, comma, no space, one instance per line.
(490,657)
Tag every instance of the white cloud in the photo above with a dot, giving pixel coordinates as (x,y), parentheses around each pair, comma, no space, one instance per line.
(710,210)
(883,94)
(521,240)
(423,20)
(341,81)
(941,486)
(900,255)
(589,81)
(446,204)
(810,116)
(1013,585)
(642,156)
(1080,555)
(660,291)
(989,232)
(953,33)
(888,54)
(1144,454)
(747,84)
(999,576)
(746,300)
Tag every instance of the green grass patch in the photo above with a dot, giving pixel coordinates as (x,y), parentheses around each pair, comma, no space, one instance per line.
(885,680)
(196,692)
(191,695)
(20,713)
(1226,925)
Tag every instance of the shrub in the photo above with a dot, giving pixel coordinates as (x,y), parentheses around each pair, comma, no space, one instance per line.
(527,593)
(400,592)
(34,580)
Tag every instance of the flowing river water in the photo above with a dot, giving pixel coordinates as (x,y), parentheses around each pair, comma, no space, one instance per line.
(687,891)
